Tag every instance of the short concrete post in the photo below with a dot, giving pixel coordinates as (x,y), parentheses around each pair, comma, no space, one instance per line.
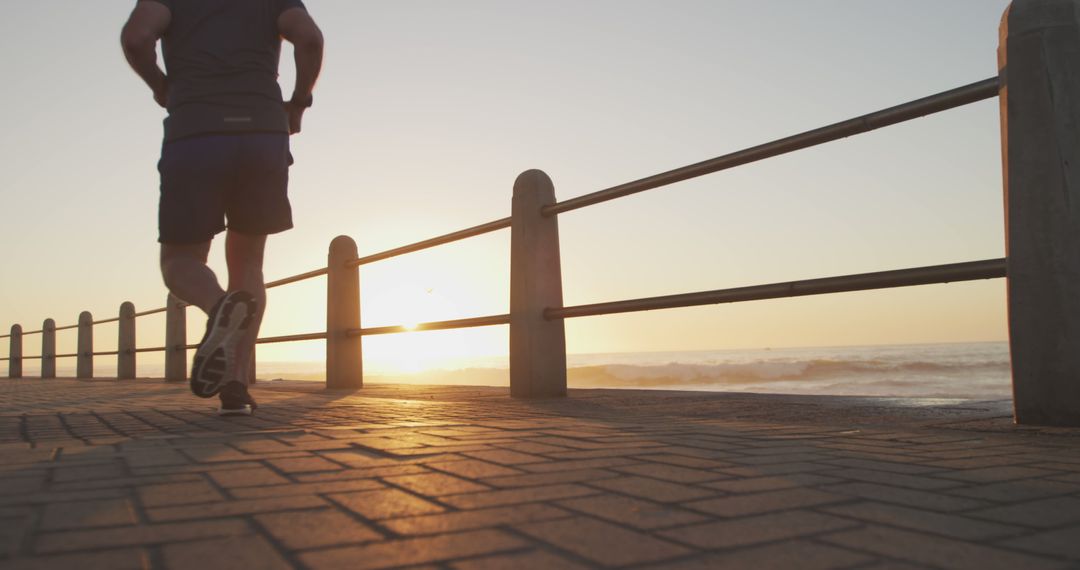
(344,354)
(84,365)
(537,345)
(15,353)
(48,349)
(175,339)
(1040,125)
(125,343)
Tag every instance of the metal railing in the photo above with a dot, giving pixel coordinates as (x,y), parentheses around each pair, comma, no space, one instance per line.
(349,331)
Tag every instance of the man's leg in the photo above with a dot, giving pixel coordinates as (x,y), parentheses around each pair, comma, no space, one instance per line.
(187,276)
(244,257)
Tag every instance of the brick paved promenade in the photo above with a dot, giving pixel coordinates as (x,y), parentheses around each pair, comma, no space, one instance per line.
(141,475)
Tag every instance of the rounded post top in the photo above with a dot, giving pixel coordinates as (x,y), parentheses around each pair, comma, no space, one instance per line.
(343,247)
(85,318)
(1028,16)
(49,325)
(533,181)
(16,329)
(127,310)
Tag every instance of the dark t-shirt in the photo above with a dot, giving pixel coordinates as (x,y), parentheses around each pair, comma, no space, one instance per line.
(221,58)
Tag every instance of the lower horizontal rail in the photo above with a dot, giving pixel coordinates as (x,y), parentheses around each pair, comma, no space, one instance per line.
(106,321)
(970,271)
(151,312)
(434,326)
(292,338)
(154,349)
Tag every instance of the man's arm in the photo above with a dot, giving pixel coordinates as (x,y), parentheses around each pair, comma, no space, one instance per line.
(147,24)
(296,26)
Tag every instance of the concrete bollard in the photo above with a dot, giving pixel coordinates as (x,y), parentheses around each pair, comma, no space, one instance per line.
(344,354)
(1040,114)
(15,368)
(84,366)
(537,345)
(175,339)
(125,344)
(48,349)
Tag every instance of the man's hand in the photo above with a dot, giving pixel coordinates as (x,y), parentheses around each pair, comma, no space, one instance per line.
(296,116)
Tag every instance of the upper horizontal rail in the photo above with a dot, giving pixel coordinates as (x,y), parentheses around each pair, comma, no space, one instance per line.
(969,271)
(429,243)
(151,312)
(433,326)
(292,338)
(958,97)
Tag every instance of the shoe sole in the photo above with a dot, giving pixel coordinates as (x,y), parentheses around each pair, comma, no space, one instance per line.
(247,410)
(215,358)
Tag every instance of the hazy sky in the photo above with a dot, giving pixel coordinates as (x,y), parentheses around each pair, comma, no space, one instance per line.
(428,110)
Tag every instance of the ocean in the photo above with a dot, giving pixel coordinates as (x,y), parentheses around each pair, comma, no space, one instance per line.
(960,370)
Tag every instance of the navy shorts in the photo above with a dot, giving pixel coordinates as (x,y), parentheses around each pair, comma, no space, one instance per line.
(209,181)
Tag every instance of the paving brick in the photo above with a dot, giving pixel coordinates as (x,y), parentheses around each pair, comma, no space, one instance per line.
(801,554)
(435,484)
(895,479)
(355,473)
(930,500)
(996,474)
(109,470)
(1063,542)
(935,551)
(516,496)
(224,554)
(757,529)
(18,485)
(505,457)
(759,484)
(1043,513)
(125,482)
(673,473)
(72,540)
(600,463)
(602,542)
(249,477)
(234,508)
(652,489)
(474,469)
(776,469)
(303,464)
(552,478)
(87,514)
(413,551)
(271,491)
(953,526)
(178,494)
(769,501)
(120,559)
(1017,491)
(531,560)
(386,503)
(298,530)
(474,519)
(634,512)
(154,458)
(890,466)
(684,461)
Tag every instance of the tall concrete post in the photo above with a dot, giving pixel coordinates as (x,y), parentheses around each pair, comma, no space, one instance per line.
(15,369)
(125,343)
(175,339)
(84,362)
(537,345)
(48,349)
(344,354)
(1038,56)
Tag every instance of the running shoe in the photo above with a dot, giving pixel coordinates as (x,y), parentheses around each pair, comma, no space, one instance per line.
(236,401)
(215,358)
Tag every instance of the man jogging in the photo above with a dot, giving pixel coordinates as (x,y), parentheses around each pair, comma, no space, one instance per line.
(225,160)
